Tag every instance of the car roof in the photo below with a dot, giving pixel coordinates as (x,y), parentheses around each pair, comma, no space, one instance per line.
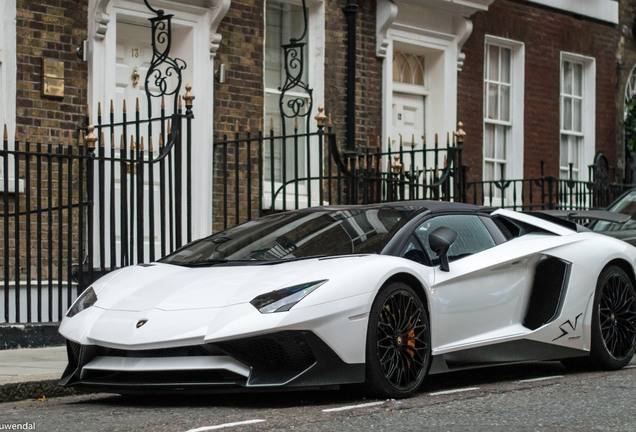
(420,205)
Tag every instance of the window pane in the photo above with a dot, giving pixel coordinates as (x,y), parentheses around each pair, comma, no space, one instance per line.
(505,65)
(567,113)
(492,101)
(578,79)
(563,151)
(574,153)
(273,41)
(493,63)
(500,143)
(489,141)
(284,21)
(489,171)
(566,86)
(577,115)
(505,103)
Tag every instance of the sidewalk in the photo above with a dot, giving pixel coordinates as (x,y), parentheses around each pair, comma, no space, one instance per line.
(31,373)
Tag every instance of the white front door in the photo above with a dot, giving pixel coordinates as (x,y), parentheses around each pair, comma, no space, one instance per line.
(408,121)
(133,57)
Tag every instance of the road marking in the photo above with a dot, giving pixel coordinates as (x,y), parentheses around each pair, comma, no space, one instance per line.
(445,392)
(226,425)
(350,407)
(540,379)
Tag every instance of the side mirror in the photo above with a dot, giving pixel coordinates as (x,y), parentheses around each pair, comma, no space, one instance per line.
(440,241)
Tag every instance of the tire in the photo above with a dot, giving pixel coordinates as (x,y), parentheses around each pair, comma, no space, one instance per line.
(398,349)
(613,320)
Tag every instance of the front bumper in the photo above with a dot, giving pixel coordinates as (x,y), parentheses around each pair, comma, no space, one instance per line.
(281,359)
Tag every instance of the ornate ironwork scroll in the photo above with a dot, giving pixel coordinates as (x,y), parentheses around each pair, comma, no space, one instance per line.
(164,73)
(301,103)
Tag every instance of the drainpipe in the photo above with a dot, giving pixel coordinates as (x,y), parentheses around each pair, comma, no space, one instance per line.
(351,11)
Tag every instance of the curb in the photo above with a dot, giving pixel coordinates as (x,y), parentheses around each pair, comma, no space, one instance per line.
(13,392)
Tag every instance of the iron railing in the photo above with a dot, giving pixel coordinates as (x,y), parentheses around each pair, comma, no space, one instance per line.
(45,218)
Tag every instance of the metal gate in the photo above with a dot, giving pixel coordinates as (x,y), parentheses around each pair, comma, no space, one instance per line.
(110,195)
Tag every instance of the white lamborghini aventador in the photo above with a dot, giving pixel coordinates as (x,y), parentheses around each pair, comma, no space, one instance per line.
(382,294)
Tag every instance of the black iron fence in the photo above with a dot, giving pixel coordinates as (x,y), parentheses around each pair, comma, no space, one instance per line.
(335,176)
(73,210)
(43,215)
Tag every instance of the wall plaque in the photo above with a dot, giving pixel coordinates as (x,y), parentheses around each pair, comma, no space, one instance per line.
(52,78)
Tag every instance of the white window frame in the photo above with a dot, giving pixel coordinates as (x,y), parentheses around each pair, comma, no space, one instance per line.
(587,135)
(515,144)
(8,78)
(314,61)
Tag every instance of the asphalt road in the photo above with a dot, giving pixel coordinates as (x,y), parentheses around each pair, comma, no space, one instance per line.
(535,397)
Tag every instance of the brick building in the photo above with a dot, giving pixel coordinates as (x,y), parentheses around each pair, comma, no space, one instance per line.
(531,80)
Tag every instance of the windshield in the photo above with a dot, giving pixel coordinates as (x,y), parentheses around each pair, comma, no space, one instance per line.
(297,235)
(626,205)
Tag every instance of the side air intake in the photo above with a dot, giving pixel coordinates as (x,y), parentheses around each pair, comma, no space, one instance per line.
(548,291)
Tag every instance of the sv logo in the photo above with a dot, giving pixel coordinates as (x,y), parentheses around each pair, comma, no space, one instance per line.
(564,327)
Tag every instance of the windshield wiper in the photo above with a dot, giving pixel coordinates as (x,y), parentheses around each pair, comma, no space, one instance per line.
(199,263)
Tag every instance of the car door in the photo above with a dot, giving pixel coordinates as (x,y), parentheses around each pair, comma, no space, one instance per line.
(484,296)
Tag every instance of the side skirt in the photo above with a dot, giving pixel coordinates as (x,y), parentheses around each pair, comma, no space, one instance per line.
(504,353)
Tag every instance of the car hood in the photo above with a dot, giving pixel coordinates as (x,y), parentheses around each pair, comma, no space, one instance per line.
(172,287)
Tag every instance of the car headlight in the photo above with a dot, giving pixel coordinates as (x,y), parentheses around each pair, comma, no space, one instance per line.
(284,299)
(84,301)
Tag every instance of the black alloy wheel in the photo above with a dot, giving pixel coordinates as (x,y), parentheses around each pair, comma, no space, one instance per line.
(614,321)
(398,342)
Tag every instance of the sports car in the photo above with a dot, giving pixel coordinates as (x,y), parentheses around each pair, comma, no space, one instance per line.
(382,294)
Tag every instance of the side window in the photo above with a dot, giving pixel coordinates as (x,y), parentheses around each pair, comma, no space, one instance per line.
(472,235)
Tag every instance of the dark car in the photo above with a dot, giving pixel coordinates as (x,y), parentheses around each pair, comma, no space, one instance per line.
(625,204)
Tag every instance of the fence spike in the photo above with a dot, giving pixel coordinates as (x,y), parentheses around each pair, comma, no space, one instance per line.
(329,120)
(248,126)
(112,106)
(6,133)
(236,126)
(137,105)
(163,102)
(296,123)
(445,162)
(81,139)
(413,140)
(169,127)
(124,106)
(271,123)
(179,106)
(161,140)
(101,139)
(141,144)
(99,109)
(133,144)
(447,138)
(424,141)
(150,144)
(87,111)
(112,141)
